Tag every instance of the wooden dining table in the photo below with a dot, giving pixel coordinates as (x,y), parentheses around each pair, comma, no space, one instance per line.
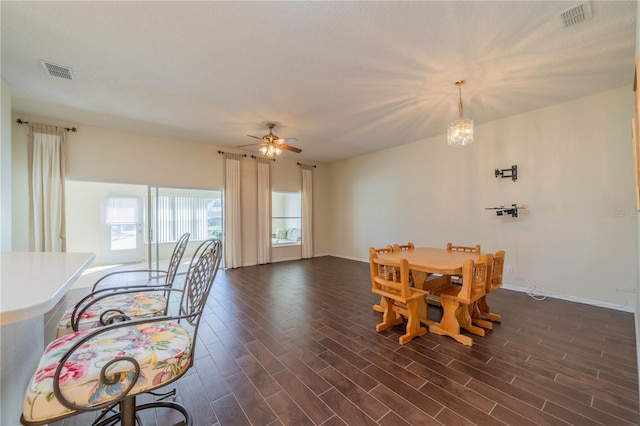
(431,260)
(425,261)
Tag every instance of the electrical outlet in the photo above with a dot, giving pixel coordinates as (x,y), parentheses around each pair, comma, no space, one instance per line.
(508,269)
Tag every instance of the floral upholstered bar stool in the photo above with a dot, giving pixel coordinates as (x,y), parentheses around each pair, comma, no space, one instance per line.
(104,369)
(106,304)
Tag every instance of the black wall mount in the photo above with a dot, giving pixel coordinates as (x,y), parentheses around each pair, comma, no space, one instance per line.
(508,173)
(502,210)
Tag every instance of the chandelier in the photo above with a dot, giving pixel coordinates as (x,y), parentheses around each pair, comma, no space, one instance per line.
(460,132)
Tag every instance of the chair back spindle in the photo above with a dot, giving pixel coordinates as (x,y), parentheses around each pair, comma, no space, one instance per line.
(404,247)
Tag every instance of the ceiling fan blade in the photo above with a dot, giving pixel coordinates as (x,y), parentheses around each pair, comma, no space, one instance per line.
(290,148)
(250,144)
(251,136)
(287,140)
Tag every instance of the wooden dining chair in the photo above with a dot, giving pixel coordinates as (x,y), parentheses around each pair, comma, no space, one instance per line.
(469,249)
(404,247)
(401,300)
(384,271)
(408,247)
(466,249)
(457,301)
(481,307)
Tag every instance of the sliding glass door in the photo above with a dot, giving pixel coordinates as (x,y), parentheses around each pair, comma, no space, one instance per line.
(174,211)
(131,223)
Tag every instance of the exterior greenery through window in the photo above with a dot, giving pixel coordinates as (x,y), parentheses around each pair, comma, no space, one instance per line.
(196,211)
(286,213)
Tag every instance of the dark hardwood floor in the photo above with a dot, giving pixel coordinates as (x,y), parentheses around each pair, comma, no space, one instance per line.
(294,343)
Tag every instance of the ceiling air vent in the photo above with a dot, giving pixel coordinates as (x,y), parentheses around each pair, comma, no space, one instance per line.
(57,70)
(577,14)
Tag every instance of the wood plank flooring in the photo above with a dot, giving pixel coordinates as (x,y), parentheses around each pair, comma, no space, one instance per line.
(294,343)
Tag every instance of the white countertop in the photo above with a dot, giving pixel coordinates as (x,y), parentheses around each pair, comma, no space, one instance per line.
(31,284)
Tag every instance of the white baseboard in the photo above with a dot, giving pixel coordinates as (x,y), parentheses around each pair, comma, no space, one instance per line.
(572,299)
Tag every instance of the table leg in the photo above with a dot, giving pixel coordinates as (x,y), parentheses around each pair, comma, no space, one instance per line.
(449,325)
(419,279)
(423,311)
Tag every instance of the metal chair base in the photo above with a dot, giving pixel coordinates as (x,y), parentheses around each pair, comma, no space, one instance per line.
(128,414)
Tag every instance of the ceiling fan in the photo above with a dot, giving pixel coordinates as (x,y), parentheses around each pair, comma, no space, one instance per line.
(272,145)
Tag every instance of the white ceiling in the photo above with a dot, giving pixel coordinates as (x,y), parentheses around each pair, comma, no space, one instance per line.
(344,78)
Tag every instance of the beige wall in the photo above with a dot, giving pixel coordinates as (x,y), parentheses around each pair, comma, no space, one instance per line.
(5,167)
(105,155)
(577,238)
(637,314)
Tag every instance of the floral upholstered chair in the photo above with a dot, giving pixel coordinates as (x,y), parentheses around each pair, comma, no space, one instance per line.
(107,367)
(106,304)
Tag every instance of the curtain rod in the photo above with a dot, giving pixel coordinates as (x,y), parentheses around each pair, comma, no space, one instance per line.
(222,152)
(310,165)
(72,129)
(272,159)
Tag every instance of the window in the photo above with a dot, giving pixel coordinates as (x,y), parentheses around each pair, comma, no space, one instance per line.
(122,221)
(194,211)
(285,219)
(123,216)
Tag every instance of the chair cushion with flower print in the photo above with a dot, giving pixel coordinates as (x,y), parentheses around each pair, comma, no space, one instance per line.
(162,349)
(142,303)
(138,305)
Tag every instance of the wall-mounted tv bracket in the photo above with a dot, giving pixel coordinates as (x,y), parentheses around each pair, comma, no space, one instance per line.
(502,210)
(508,173)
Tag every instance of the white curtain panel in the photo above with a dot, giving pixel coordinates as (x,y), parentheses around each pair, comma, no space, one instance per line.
(48,187)
(307,212)
(232,218)
(264,211)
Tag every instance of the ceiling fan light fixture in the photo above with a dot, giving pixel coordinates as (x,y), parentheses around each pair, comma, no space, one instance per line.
(272,145)
(270,149)
(460,132)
